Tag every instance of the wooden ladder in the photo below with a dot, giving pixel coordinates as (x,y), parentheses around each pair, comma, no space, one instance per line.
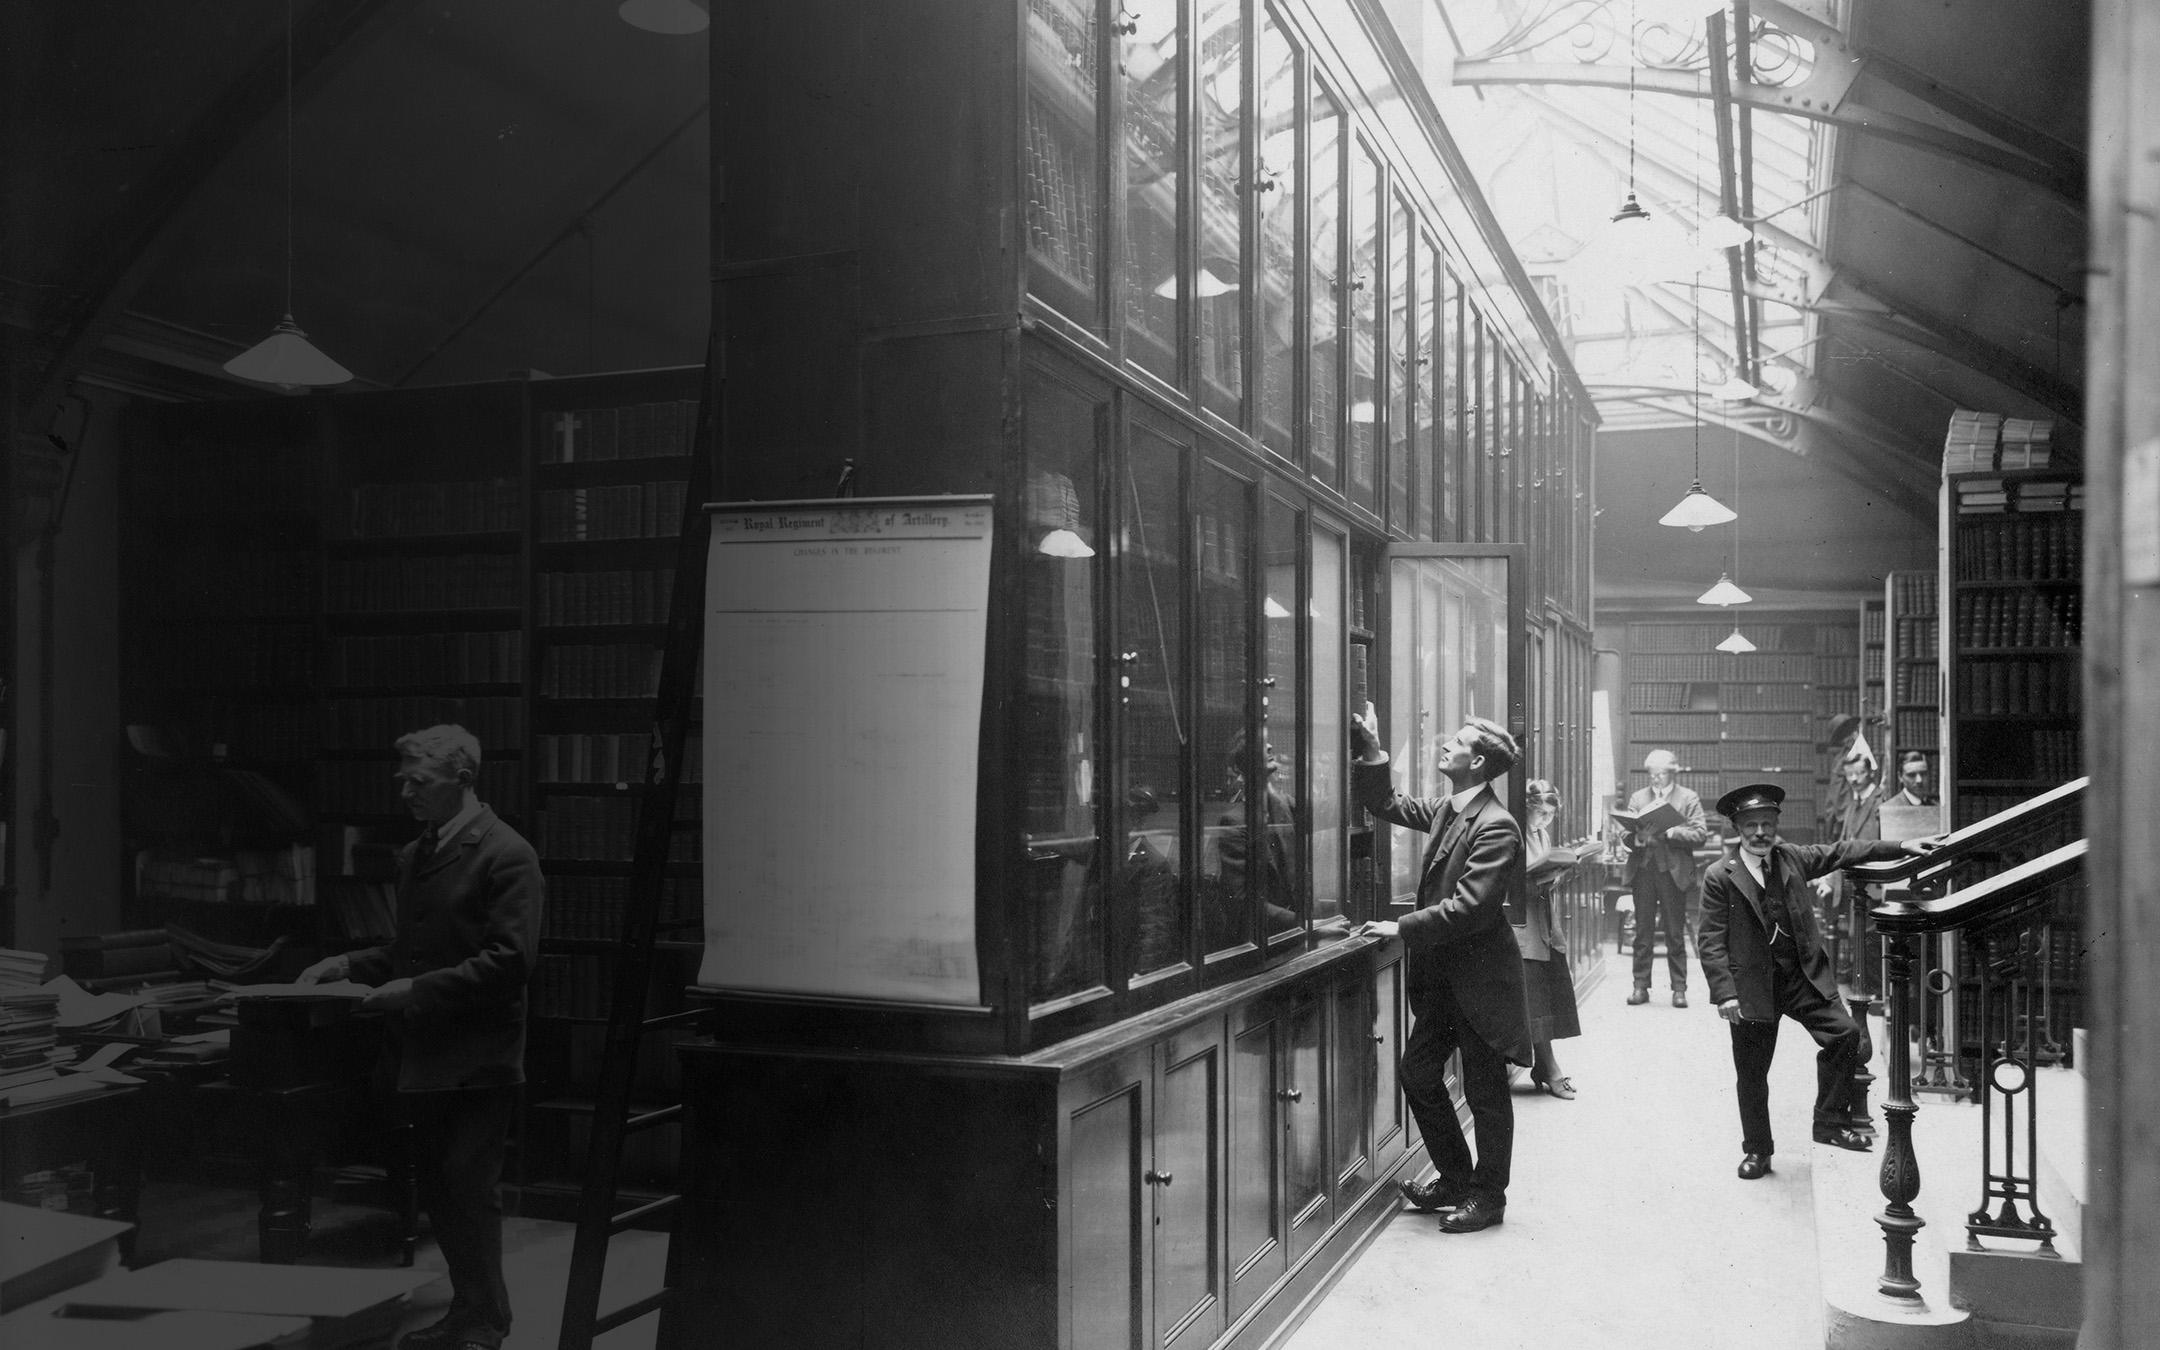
(598,1220)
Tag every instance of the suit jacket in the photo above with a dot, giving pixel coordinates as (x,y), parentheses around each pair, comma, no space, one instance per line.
(1460,943)
(1863,816)
(468,924)
(1674,857)
(1734,938)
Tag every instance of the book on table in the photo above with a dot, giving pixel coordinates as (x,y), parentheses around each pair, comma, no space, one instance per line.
(43,1251)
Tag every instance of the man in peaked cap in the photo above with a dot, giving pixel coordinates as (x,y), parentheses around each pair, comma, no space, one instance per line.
(1762,954)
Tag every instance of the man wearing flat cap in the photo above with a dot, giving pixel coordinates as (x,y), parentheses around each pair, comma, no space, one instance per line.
(1762,953)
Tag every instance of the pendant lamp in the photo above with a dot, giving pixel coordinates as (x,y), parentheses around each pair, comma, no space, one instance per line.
(1737,643)
(1630,224)
(286,358)
(1735,389)
(1697,509)
(1722,231)
(1724,593)
(676,18)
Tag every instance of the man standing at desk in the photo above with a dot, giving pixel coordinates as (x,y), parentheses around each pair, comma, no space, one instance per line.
(452,985)
(1465,971)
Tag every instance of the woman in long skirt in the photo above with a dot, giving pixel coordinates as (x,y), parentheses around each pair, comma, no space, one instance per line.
(1548,985)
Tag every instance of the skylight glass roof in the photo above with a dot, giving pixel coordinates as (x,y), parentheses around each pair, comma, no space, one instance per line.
(1651,324)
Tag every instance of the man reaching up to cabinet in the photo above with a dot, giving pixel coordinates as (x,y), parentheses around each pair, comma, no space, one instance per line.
(1465,981)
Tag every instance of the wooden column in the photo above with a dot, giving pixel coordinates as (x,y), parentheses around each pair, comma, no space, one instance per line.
(2122,679)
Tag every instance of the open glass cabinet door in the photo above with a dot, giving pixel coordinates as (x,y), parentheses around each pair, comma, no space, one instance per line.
(1456,648)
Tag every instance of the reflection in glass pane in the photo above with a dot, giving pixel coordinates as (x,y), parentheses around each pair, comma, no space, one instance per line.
(1228,879)
(1427,370)
(1151,635)
(1064,213)
(1219,285)
(1329,641)
(1451,407)
(1323,397)
(1057,720)
(1403,724)
(1364,297)
(1279,716)
(1400,371)
(1154,148)
(1278,182)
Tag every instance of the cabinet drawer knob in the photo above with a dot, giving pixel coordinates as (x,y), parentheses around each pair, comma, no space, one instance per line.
(1292,1094)
(1378,1039)
(1156,1178)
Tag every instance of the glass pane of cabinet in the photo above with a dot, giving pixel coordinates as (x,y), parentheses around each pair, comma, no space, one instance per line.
(1219,284)
(1153,70)
(1229,879)
(1400,373)
(1457,644)
(1330,645)
(1364,330)
(1281,727)
(1426,369)
(1064,206)
(1279,183)
(1323,393)
(1153,721)
(1453,382)
(1059,760)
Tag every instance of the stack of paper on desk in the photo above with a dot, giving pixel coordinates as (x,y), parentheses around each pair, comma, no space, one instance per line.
(326,989)
(344,1306)
(39,1328)
(44,1251)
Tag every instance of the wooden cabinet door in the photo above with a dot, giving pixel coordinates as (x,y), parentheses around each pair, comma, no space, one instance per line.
(1106,1149)
(1304,1097)
(1389,1112)
(1350,1024)
(1185,1189)
(1258,1251)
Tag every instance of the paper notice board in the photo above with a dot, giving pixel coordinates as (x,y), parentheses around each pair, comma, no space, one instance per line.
(843,702)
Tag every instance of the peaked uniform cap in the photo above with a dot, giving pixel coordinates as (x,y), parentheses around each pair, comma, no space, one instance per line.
(1753,797)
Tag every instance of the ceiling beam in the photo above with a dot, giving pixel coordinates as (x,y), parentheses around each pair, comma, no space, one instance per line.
(1903,319)
(324,40)
(1745,348)
(1979,116)
(2055,178)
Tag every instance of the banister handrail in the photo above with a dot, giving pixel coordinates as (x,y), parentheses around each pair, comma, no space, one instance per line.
(1998,894)
(1961,844)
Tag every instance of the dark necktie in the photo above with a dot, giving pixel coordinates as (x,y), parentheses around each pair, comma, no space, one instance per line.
(429,839)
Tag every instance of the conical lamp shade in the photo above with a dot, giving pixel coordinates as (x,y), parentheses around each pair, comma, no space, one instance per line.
(1064,544)
(1724,593)
(1735,390)
(676,18)
(1697,510)
(287,359)
(1724,232)
(1736,644)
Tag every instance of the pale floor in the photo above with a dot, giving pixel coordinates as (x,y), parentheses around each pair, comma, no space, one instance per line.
(1626,1226)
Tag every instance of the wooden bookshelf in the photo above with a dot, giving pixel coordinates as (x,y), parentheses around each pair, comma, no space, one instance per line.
(1913,660)
(1736,719)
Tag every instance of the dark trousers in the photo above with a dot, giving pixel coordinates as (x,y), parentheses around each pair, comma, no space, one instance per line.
(458,1139)
(1659,899)
(1843,1047)
(1440,1031)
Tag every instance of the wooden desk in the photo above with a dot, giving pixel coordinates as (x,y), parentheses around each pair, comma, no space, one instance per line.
(101,1128)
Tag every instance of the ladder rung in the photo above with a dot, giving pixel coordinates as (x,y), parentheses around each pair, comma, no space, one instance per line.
(658,1116)
(630,1218)
(629,1312)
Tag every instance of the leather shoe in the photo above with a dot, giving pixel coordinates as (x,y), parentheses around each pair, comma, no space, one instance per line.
(1477,1212)
(1840,1137)
(1558,1087)
(1641,995)
(443,1335)
(1754,1167)
(1679,998)
(1427,1196)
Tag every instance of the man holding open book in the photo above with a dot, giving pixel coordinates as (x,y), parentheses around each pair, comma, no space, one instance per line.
(1665,822)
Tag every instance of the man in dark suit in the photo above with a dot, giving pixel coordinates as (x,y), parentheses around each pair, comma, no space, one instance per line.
(1762,953)
(1465,971)
(1661,873)
(452,984)
(1912,781)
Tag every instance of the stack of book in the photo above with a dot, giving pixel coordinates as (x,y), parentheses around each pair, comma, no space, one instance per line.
(1973,441)
(2027,443)
(29,1013)
(2044,497)
(1982,496)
